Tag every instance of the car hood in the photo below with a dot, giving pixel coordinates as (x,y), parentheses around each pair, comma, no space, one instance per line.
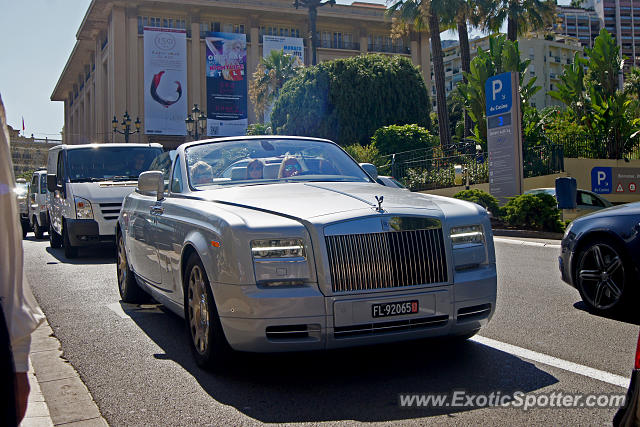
(626,209)
(106,191)
(312,200)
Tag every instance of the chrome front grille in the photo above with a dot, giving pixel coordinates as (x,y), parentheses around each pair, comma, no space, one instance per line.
(110,211)
(386,260)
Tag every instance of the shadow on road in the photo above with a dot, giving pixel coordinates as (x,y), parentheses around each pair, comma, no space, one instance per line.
(360,384)
(95,255)
(631,317)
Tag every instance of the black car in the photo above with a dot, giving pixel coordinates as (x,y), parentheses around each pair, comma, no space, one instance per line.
(600,257)
(629,414)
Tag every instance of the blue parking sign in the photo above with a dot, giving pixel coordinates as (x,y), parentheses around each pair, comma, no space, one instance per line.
(497,92)
(601,178)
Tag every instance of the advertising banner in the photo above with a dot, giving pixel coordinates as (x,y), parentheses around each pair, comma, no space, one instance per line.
(226,74)
(165,81)
(293,46)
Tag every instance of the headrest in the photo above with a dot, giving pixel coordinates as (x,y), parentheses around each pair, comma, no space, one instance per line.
(239,173)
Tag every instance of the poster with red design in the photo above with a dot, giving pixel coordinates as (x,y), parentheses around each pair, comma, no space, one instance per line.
(165,81)
(226,74)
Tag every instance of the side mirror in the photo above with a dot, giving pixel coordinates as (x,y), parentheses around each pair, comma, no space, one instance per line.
(371,169)
(51,183)
(151,183)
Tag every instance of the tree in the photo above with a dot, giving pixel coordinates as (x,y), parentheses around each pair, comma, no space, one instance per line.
(632,83)
(503,56)
(422,15)
(521,15)
(347,100)
(312,6)
(271,74)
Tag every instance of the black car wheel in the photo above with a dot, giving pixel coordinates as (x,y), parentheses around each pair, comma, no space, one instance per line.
(55,240)
(602,277)
(206,337)
(70,251)
(128,287)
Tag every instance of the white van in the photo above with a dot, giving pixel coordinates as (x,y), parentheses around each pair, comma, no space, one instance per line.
(37,204)
(87,184)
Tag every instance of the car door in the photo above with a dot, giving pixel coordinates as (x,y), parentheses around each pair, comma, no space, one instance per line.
(587,203)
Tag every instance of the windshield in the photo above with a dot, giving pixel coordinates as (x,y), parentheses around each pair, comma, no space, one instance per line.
(255,161)
(109,163)
(21,189)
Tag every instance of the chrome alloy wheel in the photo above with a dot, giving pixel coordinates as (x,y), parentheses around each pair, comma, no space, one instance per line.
(601,276)
(122,266)
(198,310)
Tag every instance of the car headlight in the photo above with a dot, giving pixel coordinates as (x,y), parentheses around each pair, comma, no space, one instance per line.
(83,208)
(567,230)
(280,262)
(467,235)
(277,248)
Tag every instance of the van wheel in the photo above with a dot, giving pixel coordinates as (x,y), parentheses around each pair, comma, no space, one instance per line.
(127,286)
(37,230)
(69,250)
(206,337)
(55,241)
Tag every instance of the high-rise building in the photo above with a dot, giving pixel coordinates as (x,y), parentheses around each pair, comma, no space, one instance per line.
(621,19)
(581,23)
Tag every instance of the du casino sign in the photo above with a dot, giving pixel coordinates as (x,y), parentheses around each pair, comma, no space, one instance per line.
(609,180)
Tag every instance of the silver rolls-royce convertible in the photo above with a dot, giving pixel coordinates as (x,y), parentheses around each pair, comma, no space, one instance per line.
(277,243)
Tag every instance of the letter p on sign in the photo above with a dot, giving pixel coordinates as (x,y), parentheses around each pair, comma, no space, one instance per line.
(601,177)
(496,87)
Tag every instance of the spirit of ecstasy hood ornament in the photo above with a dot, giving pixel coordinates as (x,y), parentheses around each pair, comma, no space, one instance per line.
(379,200)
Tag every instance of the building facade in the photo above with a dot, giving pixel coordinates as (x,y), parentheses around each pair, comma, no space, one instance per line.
(621,19)
(29,154)
(547,60)
(582,24)
(104,75)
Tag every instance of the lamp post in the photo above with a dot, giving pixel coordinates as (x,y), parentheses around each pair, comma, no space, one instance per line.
(126,126)
(196,122)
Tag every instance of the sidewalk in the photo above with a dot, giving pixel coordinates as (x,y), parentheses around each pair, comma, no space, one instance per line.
(58,395)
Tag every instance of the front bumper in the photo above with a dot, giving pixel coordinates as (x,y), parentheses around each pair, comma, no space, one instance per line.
(86,232)
(565,261)
(300,319)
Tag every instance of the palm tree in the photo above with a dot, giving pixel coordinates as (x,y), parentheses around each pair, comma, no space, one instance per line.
(420,16)
(521,15)
(271,74)
(312,6)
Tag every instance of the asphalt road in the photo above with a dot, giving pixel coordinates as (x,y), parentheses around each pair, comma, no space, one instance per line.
(136,363)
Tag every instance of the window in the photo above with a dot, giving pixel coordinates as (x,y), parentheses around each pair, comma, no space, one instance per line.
(587,199)
(60,169)
(532,70)
(34,184)
(176,177)
(43,183)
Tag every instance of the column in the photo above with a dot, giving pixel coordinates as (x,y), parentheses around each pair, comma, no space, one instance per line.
(134,65)
(415,52)
(253,59)
(118,64)
(98,97)
(364,41)
(195,65)
(425,61)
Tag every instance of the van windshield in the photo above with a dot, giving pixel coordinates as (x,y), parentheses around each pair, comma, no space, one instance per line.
(109,163)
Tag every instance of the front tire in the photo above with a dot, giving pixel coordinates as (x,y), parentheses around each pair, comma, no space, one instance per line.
(55,241)
(37,230)
(206,337)
(128,287)
(603,277)
(70,251)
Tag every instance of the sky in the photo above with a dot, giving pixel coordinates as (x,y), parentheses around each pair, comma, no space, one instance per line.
(39,36)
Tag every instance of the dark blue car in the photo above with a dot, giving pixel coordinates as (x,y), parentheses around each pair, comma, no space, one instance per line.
(600,257)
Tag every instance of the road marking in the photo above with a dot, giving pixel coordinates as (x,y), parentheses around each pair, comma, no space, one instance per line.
(586,371)
(525,243)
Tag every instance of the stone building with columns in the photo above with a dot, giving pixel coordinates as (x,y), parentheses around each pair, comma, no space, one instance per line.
(104,75)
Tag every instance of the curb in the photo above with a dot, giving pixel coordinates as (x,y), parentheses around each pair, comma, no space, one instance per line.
(59,395)
(528,234)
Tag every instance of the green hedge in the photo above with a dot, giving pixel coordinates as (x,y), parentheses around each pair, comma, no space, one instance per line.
(482,198)
(397,138)
(533,211)
(347,100)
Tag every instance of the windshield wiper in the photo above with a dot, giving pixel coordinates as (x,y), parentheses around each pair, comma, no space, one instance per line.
(88,179)
(124,178)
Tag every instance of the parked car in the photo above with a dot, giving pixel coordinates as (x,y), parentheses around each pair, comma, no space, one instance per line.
(21,189)
(301,258)
(586,202)
(37,204)
(390,181)
(86,185)
(600,257)
(629,414)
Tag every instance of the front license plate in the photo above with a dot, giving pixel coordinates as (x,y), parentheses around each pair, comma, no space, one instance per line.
(394,308)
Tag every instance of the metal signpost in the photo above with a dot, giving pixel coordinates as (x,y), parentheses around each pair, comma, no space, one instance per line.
(504,135)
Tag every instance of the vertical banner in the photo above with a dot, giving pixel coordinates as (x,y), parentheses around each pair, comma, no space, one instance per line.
(165,81)
(293,46)
(226,84)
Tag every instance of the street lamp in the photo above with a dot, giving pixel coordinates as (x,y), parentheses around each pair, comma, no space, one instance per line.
(196,122)
(126,126)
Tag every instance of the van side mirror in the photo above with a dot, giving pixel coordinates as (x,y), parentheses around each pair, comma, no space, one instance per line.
(151,183)
(51,183)
(371,169)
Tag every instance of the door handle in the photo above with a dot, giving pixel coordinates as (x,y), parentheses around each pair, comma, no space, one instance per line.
(157,210)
